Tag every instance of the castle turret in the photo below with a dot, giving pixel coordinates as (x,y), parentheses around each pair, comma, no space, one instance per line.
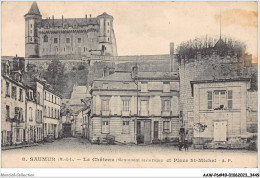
(32,22)
(107,40)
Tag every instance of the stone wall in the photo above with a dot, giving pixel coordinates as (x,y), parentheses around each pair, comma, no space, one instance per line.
(207,68)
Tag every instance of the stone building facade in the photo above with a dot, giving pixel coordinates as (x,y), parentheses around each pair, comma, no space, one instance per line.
(51,117)
(136,107)
(220,110)
(212,68)
(12,106)
(67,37)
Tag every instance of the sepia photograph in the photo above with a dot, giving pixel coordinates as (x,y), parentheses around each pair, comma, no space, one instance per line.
(121,84)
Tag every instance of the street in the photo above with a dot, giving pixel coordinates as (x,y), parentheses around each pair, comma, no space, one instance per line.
(78,152)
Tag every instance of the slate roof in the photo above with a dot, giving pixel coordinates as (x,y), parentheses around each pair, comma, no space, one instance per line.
(34,10)
(70,21)
(220,44)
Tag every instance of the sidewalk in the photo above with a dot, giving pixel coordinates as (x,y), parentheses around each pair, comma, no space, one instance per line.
(18,146)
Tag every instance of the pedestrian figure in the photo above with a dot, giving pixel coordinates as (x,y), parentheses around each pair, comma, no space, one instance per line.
(180,145)
(186,145)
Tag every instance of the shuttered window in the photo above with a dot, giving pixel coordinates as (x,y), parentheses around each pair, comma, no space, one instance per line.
(209,99)
(126,105)
(229,99)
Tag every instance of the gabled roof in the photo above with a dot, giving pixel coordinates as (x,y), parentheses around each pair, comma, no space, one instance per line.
(34,10)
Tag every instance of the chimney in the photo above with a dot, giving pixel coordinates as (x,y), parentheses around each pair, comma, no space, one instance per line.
(86,17)
(134,71)
(62,20)
(53,20)
(172,61)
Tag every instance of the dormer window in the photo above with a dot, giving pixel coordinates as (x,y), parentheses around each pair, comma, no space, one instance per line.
(65,25)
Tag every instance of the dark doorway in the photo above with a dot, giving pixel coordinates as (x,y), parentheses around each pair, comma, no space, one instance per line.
(144,131)
(156,131)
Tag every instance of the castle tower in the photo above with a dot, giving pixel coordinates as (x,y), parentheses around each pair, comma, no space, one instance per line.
(32,22)
(107,40)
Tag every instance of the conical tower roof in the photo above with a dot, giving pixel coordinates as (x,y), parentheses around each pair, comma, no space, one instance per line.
(34,10)
(220,44)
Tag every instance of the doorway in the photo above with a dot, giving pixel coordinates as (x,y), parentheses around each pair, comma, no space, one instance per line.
(144,131)
(156,130)
(220,131)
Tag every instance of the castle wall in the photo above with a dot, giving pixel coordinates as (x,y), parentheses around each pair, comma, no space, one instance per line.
(68,42)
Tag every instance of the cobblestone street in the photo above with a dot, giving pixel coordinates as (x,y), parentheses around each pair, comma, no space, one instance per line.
(79,152)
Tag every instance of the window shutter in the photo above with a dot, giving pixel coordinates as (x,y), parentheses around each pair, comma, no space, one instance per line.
(209,99)
(16,112)
(230,97)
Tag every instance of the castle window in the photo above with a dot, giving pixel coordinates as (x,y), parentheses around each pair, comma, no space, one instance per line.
(45,38)
(31,39)
(64,49)
(79,40)
(55,40)
(107,39)
(31,25)
(57,49)
(108,23)
(107,31)
(31,31)
(67,40)
(84,49)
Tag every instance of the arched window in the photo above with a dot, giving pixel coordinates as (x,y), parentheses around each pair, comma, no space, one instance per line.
(45,38)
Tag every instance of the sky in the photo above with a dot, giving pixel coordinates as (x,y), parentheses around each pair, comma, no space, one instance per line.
(143,28)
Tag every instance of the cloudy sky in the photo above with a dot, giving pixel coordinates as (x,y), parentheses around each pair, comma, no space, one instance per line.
(143,27)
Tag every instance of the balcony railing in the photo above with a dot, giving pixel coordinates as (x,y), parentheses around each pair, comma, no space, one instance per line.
(166,113)
(126,113)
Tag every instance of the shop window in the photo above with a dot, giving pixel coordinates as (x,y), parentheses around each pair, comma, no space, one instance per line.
(166,126)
